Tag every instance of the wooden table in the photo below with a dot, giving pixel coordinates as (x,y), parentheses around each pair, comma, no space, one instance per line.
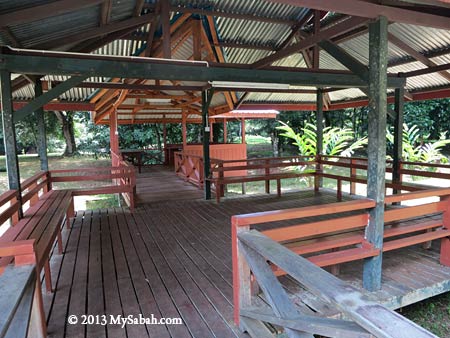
(134,154)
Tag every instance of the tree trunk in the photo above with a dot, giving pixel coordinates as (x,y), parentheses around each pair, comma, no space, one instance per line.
(66,120)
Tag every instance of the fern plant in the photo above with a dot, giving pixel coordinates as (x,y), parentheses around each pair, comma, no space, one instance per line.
(414,150)
(336,141)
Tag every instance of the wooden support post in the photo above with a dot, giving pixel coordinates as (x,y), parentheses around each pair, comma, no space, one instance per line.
(267,173)
(353,176)
(114,137)
(243,130)
(377,147)
(318,180)
(42,137)
(206,101)
(225,131)
(165,23)
(9,136)
(183,129)
(445,242)
(241,272)
(398,136)
(211,132)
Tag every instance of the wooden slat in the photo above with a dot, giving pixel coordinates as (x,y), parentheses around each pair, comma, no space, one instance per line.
(415,211)
(279,215)
(317,228)
(412,240)
(313,324)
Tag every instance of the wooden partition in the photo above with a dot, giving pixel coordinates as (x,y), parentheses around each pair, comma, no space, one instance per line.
(222,152)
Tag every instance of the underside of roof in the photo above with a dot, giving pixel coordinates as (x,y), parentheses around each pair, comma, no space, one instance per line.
(244,33)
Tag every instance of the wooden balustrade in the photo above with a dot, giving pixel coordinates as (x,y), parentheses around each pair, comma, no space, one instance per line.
(190,168)
(328,242)
(365,318)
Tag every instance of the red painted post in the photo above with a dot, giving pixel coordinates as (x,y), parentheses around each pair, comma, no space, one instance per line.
(353,176)
(241,271)
(445,242)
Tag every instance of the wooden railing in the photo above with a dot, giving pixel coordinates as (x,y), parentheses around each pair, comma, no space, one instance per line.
(123,178)
(338,239)
(13,204)
(366,318)
(189,167)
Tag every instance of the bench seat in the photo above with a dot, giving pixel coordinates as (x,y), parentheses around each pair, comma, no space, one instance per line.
(42,222)
(351,245)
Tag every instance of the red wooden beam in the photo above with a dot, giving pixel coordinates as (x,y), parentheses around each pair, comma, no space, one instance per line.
(373,10)
(55,106)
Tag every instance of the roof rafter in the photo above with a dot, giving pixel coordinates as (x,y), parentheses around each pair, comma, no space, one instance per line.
(415,54)
(373,10)
(310,41)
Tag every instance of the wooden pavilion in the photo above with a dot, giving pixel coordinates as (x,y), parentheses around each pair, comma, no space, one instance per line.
(327,263)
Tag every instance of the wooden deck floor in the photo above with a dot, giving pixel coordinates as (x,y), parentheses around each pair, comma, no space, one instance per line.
(159,183)
(173,259)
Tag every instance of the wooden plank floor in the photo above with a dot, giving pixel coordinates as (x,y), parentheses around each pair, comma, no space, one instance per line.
(159,183)
(173,259)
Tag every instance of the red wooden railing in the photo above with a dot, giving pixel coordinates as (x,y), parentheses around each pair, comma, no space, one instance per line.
(342,232)
(12,203)
(190,168)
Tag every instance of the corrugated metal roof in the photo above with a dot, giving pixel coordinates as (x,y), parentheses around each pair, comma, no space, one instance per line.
(421,39)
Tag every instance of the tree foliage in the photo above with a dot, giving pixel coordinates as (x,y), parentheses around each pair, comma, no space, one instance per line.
(336,141)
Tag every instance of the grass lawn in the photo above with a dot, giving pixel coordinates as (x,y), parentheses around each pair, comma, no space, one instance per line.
(29,165)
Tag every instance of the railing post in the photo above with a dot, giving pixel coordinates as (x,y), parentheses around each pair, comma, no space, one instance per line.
(267,173)
(445,242)
(241,272)
(352,176)
(317,176)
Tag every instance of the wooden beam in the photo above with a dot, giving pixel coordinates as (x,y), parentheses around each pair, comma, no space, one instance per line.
(373,11)
(165,23)
(243,46)
(6,32)
(378,51)
(415,54)
(221,59)
(9,132)
(95,32)
(197,37)
(398,136)
(48,96)
(42,136)
(310,41)
(441,69)
(39,12)
(207,96)
(138,8)
(105,12)
(31,62)
(214,13)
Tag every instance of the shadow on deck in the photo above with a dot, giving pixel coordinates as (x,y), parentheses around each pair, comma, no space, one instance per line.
(173,259)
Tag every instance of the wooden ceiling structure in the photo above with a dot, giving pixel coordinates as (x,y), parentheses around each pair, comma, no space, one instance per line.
(167,27)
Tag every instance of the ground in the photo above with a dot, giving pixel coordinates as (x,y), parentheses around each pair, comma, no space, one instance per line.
(433,314)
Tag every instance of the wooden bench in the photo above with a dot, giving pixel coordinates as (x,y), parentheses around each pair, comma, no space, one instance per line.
(41,223)
(341,239)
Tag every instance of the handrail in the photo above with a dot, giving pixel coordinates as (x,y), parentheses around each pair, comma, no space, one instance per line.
(256,249)
(295,213)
